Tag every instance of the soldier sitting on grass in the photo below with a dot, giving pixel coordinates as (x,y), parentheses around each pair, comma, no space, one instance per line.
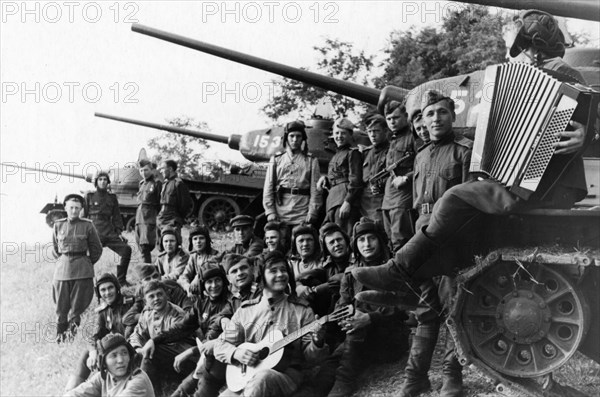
(201,254)
(172,260)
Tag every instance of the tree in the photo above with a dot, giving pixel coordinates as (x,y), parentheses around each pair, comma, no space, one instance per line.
(339,60)
(186,150)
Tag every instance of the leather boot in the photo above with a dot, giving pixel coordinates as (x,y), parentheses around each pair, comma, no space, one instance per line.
(347,371)
(388,299)
(396,274)
(122,274)
(417,366)
(452,382)
(187,387)
(73,382)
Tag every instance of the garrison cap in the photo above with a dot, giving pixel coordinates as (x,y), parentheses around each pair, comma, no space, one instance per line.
(230,260)
(414,114)
(242,220)
(144,162)
(376,120)
(431,97)
(146,270)
(74,197)
(345,124)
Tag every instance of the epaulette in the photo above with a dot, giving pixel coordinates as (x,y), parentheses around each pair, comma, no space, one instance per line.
(141,182)
(278,154)
(424,146)
(162,254)
(101,307)
(251,302)
(298,301)
(61,220)
(363,148)
(462,141)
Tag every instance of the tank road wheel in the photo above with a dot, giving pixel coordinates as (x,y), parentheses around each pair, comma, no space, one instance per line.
(54,215)
(216,212)
(524,323)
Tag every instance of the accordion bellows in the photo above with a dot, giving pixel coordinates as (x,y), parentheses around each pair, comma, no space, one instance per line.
(521,110)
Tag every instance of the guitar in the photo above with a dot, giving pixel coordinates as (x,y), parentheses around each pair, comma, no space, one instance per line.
(271,349)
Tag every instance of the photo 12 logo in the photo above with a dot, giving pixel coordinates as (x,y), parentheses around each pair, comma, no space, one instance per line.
(68,91)
(269,11)
(68,11)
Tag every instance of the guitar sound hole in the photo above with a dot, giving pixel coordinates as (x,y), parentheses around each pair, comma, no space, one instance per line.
(263,353)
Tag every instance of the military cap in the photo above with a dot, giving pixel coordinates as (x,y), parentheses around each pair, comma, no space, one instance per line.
(74,197)
(540,30)
(144,162)
(432,96)
(146,270)
(211,270)
(242,220)
(296,125)
(231,260)
(414,114)
(102,173)
(345,124)
(376,120)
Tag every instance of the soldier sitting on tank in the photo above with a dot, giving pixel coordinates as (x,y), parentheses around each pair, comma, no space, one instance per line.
(77,246)
(175,200)
(245,242)
(102,207)
(201,254)
(343,179)
(158,317)
(374,332)
(113,304)
(274,234)
(540,41)
(290,194)
(374,158)
(145,216)
(172,260)
(175,295)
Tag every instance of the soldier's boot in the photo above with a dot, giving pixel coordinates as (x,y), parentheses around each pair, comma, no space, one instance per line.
(187,387)
(348,369)
(396,274)
(73,382)
(417,366)
(452,381)
(62,333)
(122,274)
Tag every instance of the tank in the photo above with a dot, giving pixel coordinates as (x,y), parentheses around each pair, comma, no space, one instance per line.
(530,300)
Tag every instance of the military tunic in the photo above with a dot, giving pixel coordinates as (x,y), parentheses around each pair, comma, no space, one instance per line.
(296,172)
(77,246)
(371,199)
(176,203)
(172,266)
(195,263)
(148,199)
(250,249)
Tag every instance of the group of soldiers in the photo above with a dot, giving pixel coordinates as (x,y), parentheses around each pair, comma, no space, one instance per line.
(390,212)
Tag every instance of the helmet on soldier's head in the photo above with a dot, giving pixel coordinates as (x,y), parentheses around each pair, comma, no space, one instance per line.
(539,30)
(299,126)
(102,173)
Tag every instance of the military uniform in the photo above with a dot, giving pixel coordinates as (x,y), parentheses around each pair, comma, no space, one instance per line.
(398,202)
(175,204)
(192,269)
(171,266)
(102,208)
(290,190)
(251,248)
(254,321)
(344,177)
(78,247)
(145,217)
(371,199)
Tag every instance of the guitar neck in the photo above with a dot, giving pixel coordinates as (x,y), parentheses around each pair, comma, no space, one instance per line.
(280,344)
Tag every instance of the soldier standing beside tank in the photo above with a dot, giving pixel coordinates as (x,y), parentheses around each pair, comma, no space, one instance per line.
(397,199)
(102,207)
(73,281)
(175,200)
(344,178)
(290,194)
(373,162)
(149,204)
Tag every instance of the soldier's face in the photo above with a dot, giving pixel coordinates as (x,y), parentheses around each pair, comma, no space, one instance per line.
(156,299)
(377,134)
(169,243)
(117,362)
(165,170)
(73,208)
(240,275)
(242,234)
(294,140)
(421,129)
(102,183)
(438,119)
(396,120)
(336,244)
(199,243)
(305,245)
(276,277)
(272,238)
(341,136)
(108,292)
(146,171)
(368,246)
(214,287)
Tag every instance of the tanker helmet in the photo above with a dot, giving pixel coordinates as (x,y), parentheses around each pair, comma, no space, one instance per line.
(292,126)
(539,30)
(102,173)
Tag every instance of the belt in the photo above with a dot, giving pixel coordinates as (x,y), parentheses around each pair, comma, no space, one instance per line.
(425,209)
(335,182)
(295,191)
(74,254)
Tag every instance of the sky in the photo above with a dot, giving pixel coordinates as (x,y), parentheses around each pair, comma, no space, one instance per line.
(62,61)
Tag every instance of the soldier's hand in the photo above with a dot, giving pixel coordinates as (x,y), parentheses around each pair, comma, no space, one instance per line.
(180,358)
(318,334)
(310,219)
(246,357)
(92,360)
(148,350)
(399,181)
(574,141)
(208,347)
(345,210)
(356,322)
(322,183)
(302,291)
(195,286)
(272,218)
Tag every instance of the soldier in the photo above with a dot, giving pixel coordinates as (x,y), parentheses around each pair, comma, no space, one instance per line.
(397,199)
(172,261)
(175,200)
(102,207)
(201,253)
(149,204)
(419,127)
(374,159)
(246,243)
(77,247)
(290,194)
(344,178)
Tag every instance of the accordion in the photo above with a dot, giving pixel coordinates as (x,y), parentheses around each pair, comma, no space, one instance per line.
(521,110)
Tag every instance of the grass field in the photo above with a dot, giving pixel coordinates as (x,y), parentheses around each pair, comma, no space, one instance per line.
(32,364)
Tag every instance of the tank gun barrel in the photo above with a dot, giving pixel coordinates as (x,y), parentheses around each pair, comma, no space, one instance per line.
(580,9)
(352,90)
(232,141)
